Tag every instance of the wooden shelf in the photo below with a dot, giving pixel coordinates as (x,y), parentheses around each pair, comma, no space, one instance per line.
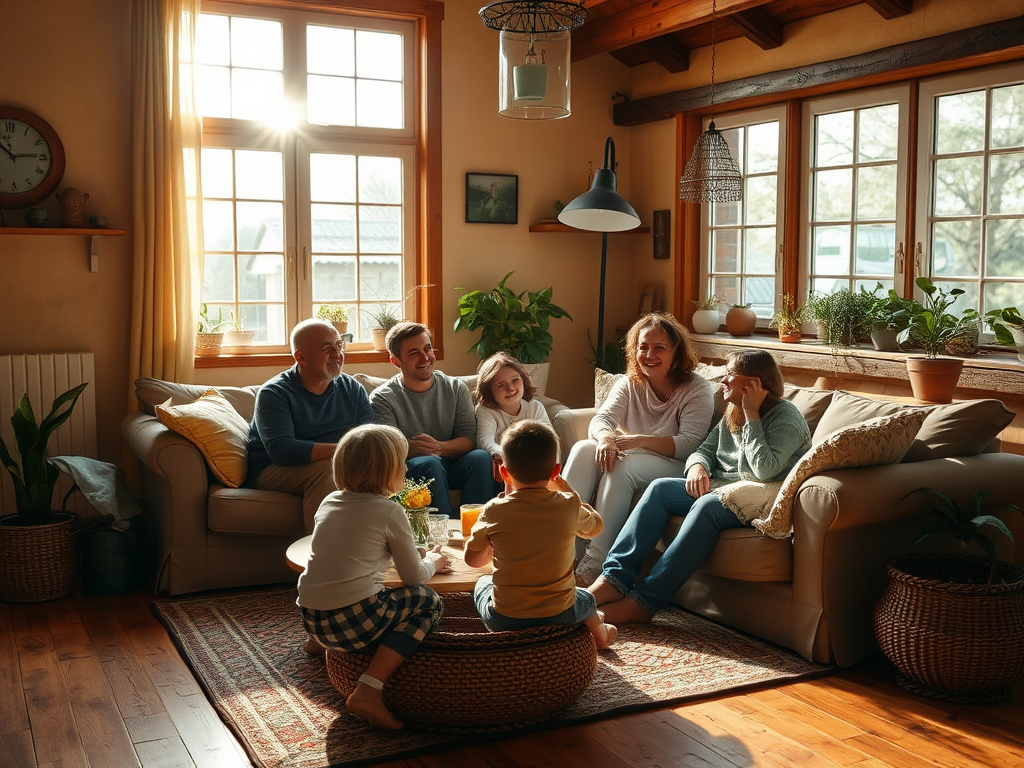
(557,226)
(91,232)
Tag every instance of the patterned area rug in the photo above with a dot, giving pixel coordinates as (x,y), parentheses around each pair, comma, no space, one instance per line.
(246,650)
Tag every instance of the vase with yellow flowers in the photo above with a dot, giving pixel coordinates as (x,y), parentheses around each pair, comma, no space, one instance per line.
(415,498)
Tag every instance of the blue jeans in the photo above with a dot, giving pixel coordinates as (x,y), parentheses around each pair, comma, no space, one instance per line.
(470,473)
(704,519)
(483,595)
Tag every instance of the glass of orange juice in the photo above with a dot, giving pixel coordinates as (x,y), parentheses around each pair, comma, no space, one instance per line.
(468,514)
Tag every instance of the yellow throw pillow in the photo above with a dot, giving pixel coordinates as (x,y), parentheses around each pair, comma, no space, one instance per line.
(216,429)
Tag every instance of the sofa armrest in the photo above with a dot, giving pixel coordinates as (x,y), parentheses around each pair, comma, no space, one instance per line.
(571,426)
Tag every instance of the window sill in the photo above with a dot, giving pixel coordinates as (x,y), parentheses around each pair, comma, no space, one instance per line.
(282,361)
(989,371)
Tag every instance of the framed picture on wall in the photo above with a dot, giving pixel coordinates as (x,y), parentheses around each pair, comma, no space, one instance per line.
(492,198)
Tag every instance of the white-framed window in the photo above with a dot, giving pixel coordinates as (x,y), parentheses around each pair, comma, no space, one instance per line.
(741,243)
(309,162)
(970,219)
(853,214)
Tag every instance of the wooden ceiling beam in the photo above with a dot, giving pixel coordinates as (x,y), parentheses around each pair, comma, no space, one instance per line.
(890,9)
(670,53)
(760,27)
(647,21)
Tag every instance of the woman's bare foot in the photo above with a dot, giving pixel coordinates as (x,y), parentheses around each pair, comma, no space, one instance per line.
(368,704)
(313,647)
(604,592)
(626,611)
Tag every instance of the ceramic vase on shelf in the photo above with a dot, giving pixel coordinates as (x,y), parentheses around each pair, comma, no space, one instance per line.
(740,320)
(706,321)
(72,207)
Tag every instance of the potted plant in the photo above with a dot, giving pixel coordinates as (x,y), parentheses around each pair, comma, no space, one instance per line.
(236,335)
(38,544)
(335,314)
(208,334)
(842,316)
(512,323)
(953,624)
(382,320)
(707,318)
(931,327)
(788,320)
(888,314)
(1008,326)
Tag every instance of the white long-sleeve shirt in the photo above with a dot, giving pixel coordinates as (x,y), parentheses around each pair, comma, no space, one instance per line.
(491,423)
(354,535)
(632,408)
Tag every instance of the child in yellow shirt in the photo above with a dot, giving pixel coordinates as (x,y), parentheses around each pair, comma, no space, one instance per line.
(530,533)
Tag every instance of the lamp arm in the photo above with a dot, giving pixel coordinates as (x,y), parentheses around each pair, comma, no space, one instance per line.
(609,149)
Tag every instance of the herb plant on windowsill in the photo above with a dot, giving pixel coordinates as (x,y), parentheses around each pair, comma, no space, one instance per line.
(788,320)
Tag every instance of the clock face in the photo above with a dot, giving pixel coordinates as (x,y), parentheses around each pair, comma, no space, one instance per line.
(31,158)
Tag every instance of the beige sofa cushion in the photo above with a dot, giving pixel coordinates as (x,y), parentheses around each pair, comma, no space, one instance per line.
(846,410)
(154,392)
(959,429)
(812,403)
(216,429)
(744,554)
(250,512)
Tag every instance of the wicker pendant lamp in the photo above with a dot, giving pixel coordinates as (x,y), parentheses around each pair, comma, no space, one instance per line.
(711,175)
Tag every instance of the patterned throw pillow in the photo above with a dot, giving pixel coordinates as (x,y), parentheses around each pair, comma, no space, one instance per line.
(603,383)
(882,440)
(216,429)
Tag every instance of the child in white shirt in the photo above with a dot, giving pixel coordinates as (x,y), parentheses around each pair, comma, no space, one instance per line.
(356,530)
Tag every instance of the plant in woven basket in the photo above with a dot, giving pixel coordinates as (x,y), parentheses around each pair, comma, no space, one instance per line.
(930,326)
(415,498)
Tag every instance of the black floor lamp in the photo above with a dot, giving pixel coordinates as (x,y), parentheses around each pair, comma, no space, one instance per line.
(601,209)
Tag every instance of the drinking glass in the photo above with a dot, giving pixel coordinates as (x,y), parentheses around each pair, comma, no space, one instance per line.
(468,513)
(438,529)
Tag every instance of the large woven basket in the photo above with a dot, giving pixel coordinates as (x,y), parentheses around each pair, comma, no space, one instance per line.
(38,561)
(464,678)
(951,635)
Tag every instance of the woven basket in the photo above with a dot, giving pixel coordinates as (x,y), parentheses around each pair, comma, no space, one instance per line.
(950,639)
(38,561)
(464,678)
(208,344)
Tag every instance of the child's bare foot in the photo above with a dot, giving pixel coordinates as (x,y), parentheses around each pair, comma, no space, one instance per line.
(604,592)
(626,611)
(604,635)
(368,704)
(313,647)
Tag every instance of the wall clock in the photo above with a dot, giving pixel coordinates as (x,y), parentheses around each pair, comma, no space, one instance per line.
(31,158)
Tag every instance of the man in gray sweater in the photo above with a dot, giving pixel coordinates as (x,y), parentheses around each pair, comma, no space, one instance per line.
(435,413)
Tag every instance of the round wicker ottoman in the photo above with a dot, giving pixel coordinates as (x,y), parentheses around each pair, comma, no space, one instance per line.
(490,680)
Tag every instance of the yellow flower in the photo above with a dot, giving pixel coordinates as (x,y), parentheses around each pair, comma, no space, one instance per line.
(414,494)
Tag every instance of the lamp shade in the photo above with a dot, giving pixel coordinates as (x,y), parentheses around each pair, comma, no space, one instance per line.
(711,175)
(601,208)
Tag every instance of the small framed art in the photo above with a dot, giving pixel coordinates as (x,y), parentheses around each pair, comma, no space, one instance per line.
(492,198)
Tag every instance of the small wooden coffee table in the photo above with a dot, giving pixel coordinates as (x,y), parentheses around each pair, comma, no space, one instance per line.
(461,579)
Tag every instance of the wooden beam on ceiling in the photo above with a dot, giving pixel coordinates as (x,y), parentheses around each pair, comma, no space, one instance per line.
(998,41)
(647,21)
(890,9)
(760,27)
(669,52)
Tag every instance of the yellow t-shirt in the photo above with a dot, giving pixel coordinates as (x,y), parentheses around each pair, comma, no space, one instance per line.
(533,532)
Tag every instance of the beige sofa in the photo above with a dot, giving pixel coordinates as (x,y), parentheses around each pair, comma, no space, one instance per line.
(814,592)
(205,535)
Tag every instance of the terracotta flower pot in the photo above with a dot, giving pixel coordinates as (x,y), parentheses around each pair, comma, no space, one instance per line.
(740,321)
(789,338)
(933,379)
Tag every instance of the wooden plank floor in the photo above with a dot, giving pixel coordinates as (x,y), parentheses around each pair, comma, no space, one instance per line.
(95,681)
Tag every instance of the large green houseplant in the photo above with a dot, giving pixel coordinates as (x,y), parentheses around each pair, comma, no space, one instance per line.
(952,623)
(508,323)
(38,544)
(842,316)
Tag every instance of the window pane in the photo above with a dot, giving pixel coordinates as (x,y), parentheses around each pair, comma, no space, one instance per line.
(969,298)
(256,95)
(1008,116)
(876,192)
(379,55)
(217,175)
(260,226)
(727,289)
(214,91)
(256,43)
(218,225)
(725,251)
(834,145)
(1004,249)
(260,175)
(759,253)
(334,278)
(218,277)
(380,278)
(330,51)
(212,44)
(380,180)
(955,248)
(334,228)
(831,251)
(761,199)
(878,135)
(380,229)
(759,293)
(725,214)
(254,318)
(763,148)
(734,138)
(332,178)
(876,250)
(1006,183)
(379,104)
(261,277)
(272,325)
(330,100)
(833,195)
(958,183)
(1001,295)
(960,123)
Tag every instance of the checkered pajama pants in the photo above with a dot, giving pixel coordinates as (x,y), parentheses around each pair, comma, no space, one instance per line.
(396,618)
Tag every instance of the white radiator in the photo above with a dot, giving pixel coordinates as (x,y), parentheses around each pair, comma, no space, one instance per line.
(44,377)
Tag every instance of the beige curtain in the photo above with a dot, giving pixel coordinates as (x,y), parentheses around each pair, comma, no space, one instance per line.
(166,195)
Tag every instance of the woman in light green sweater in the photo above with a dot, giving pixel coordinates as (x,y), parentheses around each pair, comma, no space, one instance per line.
(760,438)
